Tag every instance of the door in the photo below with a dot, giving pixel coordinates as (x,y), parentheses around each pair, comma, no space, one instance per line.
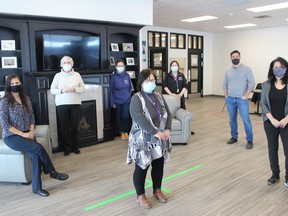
(195,72)
(158,63)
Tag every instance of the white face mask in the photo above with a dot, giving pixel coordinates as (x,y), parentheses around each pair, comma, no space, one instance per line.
(67,67)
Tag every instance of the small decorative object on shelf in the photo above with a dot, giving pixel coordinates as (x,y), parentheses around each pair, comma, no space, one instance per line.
(112,61)
(7,44)
(128,47)
(131,74)
(130,61)
(114,47)
(9,62)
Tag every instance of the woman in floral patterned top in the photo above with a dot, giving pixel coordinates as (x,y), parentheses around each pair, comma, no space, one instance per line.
(18,124)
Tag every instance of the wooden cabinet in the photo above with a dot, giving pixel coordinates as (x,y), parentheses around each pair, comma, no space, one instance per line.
(27,32)
(14,52)
(123,43)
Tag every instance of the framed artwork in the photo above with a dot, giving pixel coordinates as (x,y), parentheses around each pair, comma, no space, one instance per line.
(7,44)
(131,74)
(127,47)
(114,47)
(130,61)
(9,62)
(112,61)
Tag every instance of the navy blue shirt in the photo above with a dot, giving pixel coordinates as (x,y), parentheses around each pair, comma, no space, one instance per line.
(120,88)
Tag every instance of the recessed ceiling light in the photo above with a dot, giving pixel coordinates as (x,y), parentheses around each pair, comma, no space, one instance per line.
(199,19)
(240,26)
(269,7)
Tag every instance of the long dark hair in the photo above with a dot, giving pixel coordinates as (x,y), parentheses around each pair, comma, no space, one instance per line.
(8,94)
(144,74)
(271,76)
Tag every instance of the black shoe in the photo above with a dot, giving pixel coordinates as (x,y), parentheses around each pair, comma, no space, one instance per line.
(59,176)
(273,180)
(76,151)
(192,133)
(249,145)
(232,140)
(41,192)
(66,153)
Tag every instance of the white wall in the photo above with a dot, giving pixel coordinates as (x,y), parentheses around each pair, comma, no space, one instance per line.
(125,11)
(179,53)
(258,48)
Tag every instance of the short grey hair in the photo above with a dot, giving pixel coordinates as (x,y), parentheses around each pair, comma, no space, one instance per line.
(66,58)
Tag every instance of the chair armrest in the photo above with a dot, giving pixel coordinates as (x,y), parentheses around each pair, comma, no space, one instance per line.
(183,115)
(41,130)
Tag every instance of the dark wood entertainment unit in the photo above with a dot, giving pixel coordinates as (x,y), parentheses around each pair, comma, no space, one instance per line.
(27,32)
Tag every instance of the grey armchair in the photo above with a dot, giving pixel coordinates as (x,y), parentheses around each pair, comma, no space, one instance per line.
(15,166)
(181,121)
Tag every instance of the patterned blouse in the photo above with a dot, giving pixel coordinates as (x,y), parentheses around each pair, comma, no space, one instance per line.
(15,116)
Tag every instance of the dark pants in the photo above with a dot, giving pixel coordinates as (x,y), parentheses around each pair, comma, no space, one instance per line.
(183,106)
(272,134)
(38,155)
(69,116)
(122,117)
(139,176)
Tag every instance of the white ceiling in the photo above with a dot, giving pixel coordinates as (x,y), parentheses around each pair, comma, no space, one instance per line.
(168,13)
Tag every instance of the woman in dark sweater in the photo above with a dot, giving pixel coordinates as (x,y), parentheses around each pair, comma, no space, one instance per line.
(274,104)
(149,139)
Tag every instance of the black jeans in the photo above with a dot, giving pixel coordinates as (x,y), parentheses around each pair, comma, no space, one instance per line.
(69,116)
(272,135)
(139,176)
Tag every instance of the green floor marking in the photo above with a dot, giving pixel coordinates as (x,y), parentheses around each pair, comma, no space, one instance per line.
(146,186)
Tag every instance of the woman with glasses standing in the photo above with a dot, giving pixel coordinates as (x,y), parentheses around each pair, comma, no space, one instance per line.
(149,139)
(274,103)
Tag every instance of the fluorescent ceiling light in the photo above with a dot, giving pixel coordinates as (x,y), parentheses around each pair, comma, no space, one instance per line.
(240,26)
(199,19)
(269,7)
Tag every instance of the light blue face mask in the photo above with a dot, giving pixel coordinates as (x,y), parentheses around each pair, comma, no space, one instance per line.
(174,69)
(149,87)
(279,72)
(120,69)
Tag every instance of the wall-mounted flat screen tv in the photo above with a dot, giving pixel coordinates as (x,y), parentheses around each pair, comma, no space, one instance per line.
(85,51)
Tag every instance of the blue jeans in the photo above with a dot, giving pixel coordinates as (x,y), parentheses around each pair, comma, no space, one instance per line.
(233,105)
(122,117)
(38,155)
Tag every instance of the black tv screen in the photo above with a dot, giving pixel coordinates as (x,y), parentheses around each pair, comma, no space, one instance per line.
(85,51)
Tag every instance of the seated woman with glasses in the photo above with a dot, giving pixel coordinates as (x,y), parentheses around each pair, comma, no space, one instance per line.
(18,124)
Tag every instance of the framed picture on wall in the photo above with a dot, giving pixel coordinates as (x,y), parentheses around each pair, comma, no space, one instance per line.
(112,61)
(7,44)
(127,47)
(130,61)
(131,74)
(9,62)
(114,47)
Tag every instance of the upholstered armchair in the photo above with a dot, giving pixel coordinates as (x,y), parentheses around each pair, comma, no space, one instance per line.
(15,166)
(181,121)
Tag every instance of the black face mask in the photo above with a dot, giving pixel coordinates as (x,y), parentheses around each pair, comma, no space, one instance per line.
(16,88)
(235,61)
